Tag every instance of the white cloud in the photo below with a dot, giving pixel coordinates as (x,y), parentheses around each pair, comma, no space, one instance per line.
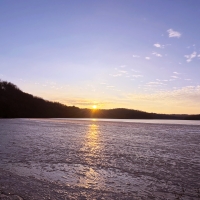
(122,66)
(110,86)
(191,56)
(174,76)
(187,79)
(188,93)
(176,73)
(198,56)
(173,33)
(123,71)
(164,80)
(147,58)
(157,54)
(115,75)
(157,83)
(136,56)
(159,45)
(137,76)
(119,73)
(134,70)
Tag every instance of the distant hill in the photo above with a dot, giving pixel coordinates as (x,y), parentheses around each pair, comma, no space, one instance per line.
(192,117)
(17,104)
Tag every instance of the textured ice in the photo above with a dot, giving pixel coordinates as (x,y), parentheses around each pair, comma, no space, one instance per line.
(91,159)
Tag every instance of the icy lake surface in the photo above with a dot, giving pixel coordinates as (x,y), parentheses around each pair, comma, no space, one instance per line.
(141,158)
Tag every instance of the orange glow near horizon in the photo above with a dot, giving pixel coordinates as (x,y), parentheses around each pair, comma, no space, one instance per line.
(94,107)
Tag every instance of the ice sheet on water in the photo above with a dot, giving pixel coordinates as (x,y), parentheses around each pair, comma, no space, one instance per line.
(138,158)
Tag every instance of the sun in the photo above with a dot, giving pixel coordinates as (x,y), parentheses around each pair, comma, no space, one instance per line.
(94,106)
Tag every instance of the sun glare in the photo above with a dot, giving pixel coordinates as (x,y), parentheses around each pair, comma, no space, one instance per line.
(94,107)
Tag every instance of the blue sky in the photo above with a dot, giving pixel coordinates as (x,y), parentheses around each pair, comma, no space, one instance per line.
(142,55)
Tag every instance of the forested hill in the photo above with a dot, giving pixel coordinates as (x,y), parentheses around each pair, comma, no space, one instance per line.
(16,104)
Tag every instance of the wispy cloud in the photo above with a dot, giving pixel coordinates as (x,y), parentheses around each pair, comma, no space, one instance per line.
(110,86)
(191,56)
(1,75)
(136,56)
(122,66)
(191,94)
(82,102)
(156,83)
(122,71)
(173,33)
(176,73)
(157,54)
(174,76)
(134,70)
(147,58)
(137,76)
(115,75)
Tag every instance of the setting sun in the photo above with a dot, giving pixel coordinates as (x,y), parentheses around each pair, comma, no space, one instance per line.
(94,107)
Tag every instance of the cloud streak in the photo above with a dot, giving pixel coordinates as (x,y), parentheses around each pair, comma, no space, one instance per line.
(176,73)
(157,54)
(137,76)
(188,93)
(156,83)
(175,77)
(136,56)
(115,75)
(191,56)
(173,33)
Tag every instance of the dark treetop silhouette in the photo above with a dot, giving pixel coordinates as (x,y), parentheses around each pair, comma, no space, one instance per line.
(16,104)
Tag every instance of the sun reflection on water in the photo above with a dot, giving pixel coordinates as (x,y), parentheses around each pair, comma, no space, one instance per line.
(92,140)
(91,178)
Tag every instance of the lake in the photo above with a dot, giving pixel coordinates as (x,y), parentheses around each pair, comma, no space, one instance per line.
(100,159)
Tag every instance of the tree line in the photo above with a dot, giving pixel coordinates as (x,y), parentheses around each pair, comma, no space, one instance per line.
(15,103)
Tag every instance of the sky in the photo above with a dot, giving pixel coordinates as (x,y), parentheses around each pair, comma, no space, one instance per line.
(135,54)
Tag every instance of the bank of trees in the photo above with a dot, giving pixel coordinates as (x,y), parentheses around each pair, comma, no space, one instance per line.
(14,103)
